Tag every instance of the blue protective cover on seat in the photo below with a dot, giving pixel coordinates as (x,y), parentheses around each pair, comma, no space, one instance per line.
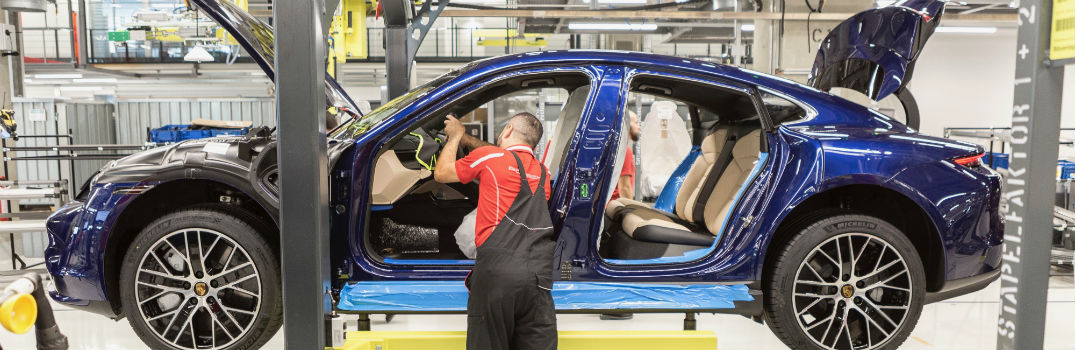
(666,201)
(451,296)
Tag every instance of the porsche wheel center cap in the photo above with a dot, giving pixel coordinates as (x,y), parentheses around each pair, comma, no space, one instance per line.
(201,288)
(847,291)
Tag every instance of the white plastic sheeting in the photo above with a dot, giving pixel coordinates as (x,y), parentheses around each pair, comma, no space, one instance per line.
(663,144)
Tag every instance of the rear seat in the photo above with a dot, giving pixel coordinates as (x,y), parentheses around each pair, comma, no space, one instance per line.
(647,224)
(712,145)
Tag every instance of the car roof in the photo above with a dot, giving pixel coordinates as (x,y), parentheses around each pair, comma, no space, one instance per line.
(648,60)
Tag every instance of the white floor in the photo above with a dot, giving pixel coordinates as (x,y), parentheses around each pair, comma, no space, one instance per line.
(967,322)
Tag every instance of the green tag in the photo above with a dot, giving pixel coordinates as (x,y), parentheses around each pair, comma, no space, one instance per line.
(122,35)
(584,191)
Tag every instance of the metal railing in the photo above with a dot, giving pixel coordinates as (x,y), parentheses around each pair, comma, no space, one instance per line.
(47,45)
(55,45)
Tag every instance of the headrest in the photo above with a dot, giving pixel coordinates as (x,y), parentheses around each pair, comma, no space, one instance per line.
(748,146)
(712,143)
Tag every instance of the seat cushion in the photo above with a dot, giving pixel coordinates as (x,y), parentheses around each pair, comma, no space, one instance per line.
(616,206)
(654,226)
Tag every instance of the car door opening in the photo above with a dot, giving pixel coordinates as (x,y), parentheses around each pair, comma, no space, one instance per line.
(403,184)
(726,131)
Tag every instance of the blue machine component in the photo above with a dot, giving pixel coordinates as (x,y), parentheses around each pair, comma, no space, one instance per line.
(666,201)
(838,147)
(451,296)
(182,132)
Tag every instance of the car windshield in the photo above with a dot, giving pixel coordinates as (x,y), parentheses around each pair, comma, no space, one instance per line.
(355,127)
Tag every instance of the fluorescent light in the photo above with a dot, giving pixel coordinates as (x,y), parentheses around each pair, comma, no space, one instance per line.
(80,88)
(96,80)
(967,30)
(617,1)
(58,76)
(747,27)
(612,26)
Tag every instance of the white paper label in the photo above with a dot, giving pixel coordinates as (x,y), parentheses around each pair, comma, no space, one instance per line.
(216,148)
(36,115)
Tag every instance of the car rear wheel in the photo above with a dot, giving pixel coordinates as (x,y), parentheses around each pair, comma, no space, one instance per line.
(202,278)
(845,282)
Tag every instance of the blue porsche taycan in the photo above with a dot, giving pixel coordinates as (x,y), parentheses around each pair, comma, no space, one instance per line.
(829,221)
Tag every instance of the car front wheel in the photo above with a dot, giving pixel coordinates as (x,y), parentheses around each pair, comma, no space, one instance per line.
(202,278)
(845,282)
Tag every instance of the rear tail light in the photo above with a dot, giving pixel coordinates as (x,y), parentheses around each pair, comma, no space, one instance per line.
(970,161)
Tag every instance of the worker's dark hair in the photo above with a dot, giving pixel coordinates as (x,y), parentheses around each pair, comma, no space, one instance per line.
(528,126)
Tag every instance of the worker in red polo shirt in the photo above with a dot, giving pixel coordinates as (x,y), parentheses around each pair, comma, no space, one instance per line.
(510,304)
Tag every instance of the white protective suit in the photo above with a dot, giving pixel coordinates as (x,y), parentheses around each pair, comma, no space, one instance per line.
(664,143)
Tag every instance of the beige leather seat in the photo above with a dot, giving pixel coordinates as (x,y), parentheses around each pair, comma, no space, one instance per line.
(648,224)
(711,145)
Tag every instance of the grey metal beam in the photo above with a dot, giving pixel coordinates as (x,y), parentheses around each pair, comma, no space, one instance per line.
(404,31)
(1030,187)
(326,17)
(302,150)
(83,35)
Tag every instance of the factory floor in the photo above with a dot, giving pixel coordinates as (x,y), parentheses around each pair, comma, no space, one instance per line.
(966,322)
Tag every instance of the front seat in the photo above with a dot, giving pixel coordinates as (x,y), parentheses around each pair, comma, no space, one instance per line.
(650,225)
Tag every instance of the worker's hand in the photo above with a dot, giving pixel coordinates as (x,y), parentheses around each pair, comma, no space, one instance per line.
(453,127)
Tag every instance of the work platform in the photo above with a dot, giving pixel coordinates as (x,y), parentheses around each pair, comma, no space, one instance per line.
(569,340)
(450,297)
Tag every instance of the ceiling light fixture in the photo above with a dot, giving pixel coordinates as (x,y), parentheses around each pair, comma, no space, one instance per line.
(967,30)
(747,27)
(198,54)
(612,26)
(58,76)
(96,80)
(80,88)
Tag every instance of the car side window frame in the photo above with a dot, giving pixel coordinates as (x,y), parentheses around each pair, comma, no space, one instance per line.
(714,81)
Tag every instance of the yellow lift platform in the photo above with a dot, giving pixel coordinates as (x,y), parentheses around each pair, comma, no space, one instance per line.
(569,340)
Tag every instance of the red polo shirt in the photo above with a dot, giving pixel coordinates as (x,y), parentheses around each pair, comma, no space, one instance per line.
(627,170)
(498,177)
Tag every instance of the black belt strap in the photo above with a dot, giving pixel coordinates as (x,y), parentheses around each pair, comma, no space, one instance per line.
(710,183)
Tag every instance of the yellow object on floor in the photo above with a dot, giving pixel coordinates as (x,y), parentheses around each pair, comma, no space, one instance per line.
(569,340)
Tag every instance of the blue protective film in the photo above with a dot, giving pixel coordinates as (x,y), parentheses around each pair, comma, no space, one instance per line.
(451,296)
(666,201)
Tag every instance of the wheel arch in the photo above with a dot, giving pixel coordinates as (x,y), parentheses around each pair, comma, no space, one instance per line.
(164,198)
(874,199)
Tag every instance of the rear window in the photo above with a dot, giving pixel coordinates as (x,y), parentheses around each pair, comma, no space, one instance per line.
(782,111)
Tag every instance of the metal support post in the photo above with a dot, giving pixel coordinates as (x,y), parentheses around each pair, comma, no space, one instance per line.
(689,323)
(300,86)
(364,322)
(403,35)
(1031,185)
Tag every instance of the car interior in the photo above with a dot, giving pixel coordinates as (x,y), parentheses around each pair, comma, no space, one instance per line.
(403,181)
(725,126)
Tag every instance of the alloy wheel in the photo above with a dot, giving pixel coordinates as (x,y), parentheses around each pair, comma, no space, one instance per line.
(198,289)
(853,291)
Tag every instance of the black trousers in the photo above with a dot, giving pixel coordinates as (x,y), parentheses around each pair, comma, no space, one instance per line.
(511,312)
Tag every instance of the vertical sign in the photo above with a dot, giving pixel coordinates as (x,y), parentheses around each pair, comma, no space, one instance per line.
(1030,187)
(1063,30)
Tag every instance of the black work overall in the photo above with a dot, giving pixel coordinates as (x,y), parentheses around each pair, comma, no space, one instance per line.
(510,305)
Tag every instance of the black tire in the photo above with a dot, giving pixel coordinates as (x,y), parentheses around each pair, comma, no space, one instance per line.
(236,303)
(804,287)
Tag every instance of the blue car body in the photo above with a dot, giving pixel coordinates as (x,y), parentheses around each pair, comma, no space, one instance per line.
(841,146)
